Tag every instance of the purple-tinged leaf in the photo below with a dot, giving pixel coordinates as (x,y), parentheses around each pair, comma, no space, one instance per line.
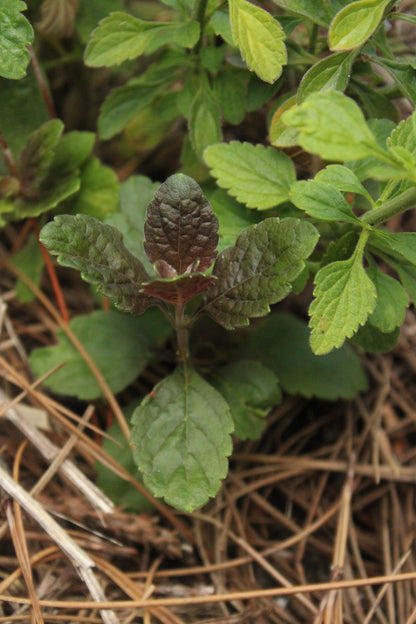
(97,250)
(258,270)
(181,228)
(180,289)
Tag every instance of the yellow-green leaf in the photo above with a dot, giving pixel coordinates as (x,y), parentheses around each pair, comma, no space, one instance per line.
(355,23)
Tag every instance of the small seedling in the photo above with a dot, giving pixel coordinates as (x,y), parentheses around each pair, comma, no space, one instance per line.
(181,434)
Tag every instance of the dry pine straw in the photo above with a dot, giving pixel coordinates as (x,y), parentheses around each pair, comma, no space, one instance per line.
(314,523)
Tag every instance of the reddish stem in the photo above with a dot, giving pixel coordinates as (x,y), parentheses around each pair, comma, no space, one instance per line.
(52,276)
(43,85)
(8,156)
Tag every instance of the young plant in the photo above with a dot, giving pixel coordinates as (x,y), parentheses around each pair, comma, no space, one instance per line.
(181,434)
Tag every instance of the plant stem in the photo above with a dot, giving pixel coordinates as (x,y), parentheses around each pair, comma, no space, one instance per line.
(391,208)
(43,85)
(8,156)
(181,334)
(199,16)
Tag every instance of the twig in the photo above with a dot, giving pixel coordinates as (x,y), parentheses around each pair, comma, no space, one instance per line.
(81,560)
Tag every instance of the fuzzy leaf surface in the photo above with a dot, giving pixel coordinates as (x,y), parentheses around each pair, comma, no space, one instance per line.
(120,345)
(181,439)
(258,270)
(15,35)
(37,156)
(355,23)
(258,176)
(260,39)
(250,389)
(181,228)
(330,73)
(178,290)
(344,298)
(322,201)
(332,125)
(97,250)
(281,341)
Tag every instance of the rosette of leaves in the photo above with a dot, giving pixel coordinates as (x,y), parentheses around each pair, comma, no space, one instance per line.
(181,432)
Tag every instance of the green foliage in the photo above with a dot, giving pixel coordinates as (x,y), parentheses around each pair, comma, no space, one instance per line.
(30,261)
(281,341)
(181,439)
(260,39)
(120,346)
(258,176)
(355,23)
(15,35)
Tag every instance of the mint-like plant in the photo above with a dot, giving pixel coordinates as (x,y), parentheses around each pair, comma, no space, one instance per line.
(181,432)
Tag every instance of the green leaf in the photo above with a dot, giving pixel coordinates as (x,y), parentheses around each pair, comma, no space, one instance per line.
(22,110)
(220,22)
(401,245)
(322,201)
(37,155)
(317,11)
(15,35)
(330,73)
(122,493)
(381,129)
(258,176)
(181,229)
(98,195)
(372,340)
(281,341)
(90,13)
(181,439)
(355,23)
(121,36)
(333,126)
(403,74)
(407,275)
(230,87)
(258,270)
(391,303)
(344,180)
(120,345)
(187,34)
(204,121)
(259,92)
(84,243)
(344,298)
(251,389)
(72,151)
(30,261)
(122,105)
(135,195)
(282,135)
(260,39)
(232,216)
(52,192)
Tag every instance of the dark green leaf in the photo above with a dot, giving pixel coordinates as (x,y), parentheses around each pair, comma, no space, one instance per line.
(15,35)
(391,303)
(258,176)
(402,73)
(317,11)
(120,345)
(230,87)
(30,261)
(282,343)
(90,13)
(181,228)
(37,155)
(122,105)
(322,201)
(97,250)
(250,389)
(258,270)
(181,439)
(204,121)
(233,217)
(372,340)
(220,22)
